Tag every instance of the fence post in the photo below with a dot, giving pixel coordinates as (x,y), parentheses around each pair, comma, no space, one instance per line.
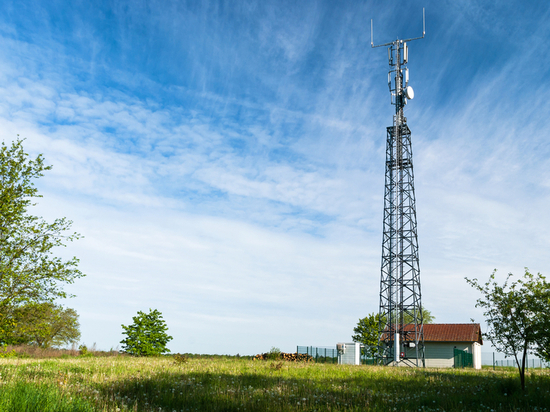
(493,360)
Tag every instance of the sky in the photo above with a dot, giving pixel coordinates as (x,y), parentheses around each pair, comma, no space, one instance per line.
(224,161)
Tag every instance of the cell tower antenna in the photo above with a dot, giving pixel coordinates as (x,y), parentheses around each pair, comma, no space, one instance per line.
(390,43)
(401,326)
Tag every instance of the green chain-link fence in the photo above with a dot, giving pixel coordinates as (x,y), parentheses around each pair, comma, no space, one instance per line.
(322,355)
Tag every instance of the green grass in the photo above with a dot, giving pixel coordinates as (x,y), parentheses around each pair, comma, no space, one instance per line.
(26,396)
(231,384)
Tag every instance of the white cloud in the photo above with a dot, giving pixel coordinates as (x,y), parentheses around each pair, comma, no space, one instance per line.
(247,205)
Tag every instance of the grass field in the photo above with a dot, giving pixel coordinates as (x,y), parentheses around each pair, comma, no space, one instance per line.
(121,383)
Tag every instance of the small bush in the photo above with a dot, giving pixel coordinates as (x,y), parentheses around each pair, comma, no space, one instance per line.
(5,353)
(84,351)
(179,359)
(274,353)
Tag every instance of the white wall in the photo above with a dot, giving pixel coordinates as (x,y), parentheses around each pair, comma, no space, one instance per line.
(352,355)
(441,354)
(477,355)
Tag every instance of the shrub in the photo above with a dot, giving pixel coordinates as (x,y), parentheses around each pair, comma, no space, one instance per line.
(179,359)
(5,353)
(274,353)
(84,351)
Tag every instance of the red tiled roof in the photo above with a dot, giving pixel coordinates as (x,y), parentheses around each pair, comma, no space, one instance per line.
(447,332)
(452,332)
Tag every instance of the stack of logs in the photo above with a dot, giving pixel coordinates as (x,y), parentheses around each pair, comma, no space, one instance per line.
(290,357)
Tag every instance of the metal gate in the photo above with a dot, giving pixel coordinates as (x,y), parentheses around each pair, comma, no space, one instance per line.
(463,359)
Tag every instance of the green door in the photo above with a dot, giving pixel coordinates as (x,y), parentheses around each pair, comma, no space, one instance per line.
(463,359)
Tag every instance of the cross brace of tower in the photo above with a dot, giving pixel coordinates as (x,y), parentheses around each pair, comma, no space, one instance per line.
(401,325)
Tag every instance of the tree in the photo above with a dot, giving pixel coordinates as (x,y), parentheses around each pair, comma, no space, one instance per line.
(147,335)
(367,329)
(366,332)
(46,325)
(544,349)
(518,315)
(29,272)
(427,316)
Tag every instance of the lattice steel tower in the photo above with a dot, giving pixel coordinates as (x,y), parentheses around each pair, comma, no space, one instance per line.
(401,323)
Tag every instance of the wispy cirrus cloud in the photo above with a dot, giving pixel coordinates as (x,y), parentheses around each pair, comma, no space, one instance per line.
(227,165)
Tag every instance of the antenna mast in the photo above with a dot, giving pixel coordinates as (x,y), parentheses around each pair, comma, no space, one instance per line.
(401,325)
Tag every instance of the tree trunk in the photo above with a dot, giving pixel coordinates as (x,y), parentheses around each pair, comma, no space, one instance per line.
(522,370)
(521,367)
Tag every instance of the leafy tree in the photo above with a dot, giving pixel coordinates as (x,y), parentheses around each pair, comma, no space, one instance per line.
(366,332)
(29,272)
(367,329)
(46,325)
(427,316)
(518,315)
(7,329)
(544,349)
(147,335)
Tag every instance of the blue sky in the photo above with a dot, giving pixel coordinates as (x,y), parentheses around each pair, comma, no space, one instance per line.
(225,160)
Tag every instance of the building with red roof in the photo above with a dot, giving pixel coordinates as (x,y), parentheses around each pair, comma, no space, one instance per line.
(441,339)
(444,343)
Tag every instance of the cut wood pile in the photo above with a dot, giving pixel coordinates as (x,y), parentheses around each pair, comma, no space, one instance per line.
(290,357)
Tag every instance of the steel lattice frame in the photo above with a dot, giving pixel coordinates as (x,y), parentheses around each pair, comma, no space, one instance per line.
(401,323)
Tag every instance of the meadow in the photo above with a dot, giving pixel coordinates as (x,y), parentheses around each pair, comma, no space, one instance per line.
(124,383)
